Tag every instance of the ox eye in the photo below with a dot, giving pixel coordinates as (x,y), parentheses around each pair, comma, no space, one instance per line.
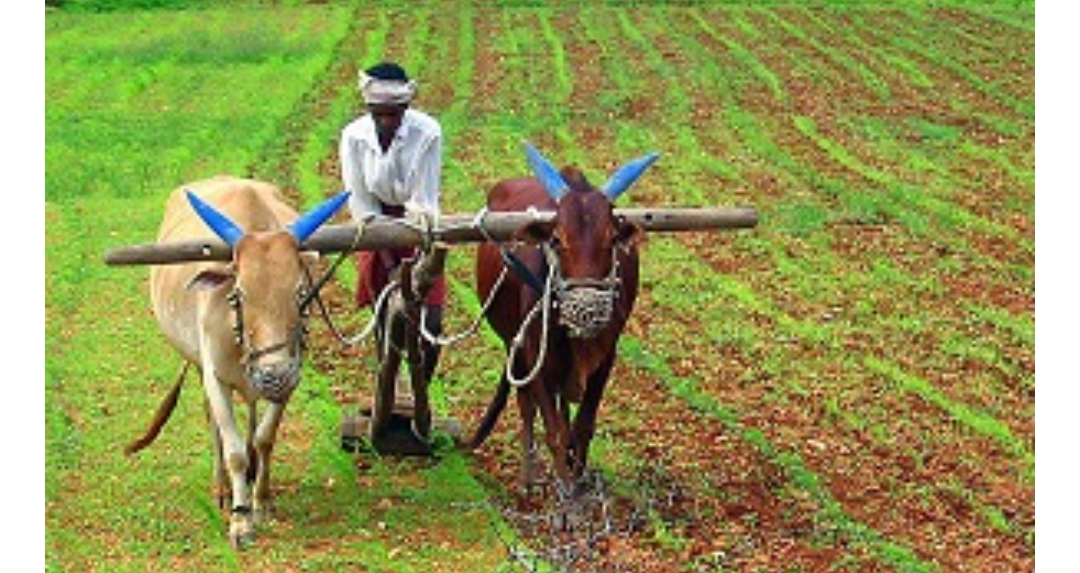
(301,298)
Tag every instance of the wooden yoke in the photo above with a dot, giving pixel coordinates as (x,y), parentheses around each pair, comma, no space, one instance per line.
(453,229)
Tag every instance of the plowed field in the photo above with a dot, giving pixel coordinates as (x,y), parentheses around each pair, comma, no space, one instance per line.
(849,386)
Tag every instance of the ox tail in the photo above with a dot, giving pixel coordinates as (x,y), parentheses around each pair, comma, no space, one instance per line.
(487,423)
(164,411)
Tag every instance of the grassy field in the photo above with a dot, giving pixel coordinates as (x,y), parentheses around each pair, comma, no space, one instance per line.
(848,387)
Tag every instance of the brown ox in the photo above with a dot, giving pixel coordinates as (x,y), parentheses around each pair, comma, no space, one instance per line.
(582,267)
(240,323)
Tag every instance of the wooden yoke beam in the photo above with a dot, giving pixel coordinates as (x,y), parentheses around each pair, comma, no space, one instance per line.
(385,233)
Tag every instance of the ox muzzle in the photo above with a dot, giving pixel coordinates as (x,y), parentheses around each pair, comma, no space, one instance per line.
(586,305)
(276,381)
(274,377)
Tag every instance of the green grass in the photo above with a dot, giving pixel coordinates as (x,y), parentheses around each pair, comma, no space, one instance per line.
(216,107)
(973,419)
(893,258)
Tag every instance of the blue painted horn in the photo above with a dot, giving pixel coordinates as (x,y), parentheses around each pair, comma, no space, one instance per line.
(547,174)
(304,226)
(221,225)
(627,175)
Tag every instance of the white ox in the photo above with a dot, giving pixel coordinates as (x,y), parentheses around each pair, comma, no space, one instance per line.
(240,323)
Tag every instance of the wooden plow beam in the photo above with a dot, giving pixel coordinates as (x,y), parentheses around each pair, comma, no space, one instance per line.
(452,229)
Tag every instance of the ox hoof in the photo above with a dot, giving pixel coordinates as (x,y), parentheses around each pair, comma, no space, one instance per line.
(242,539)
(241,528)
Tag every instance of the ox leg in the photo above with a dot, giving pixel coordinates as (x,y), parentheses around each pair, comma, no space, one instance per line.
(265,436)
(527,409)
(555,433)
(585,420)
(219,484)
(253,456)
(241,526)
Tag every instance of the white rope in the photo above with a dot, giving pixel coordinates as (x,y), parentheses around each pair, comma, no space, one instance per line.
(544,302)
(380,302)
(442,340)
(373,322)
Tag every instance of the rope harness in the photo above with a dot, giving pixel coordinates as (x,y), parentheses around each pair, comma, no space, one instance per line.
(585,308)
(585,305)
(278,384)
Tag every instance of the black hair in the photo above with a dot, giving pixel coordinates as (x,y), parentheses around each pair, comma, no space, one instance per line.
(387,71)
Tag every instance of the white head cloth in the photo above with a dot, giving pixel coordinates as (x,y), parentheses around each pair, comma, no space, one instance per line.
(377,91)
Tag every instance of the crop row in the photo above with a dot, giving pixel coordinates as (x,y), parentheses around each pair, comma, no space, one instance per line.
(804,265)
(868,349)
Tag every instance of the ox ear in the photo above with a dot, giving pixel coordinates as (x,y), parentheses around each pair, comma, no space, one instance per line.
(217,221)
(547,174)
(535,232)
(627,175)
(629,234)
(210,279)
(310,258)
(306,224)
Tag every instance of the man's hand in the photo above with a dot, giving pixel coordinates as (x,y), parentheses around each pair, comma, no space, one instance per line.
(362,221)
(421,216)
(361,224)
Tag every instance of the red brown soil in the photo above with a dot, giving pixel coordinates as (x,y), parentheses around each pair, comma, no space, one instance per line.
(735,507)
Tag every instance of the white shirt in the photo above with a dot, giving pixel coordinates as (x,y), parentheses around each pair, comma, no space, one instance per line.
(409,172)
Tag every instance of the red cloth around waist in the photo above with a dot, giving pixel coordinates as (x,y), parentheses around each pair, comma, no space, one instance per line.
(373,272)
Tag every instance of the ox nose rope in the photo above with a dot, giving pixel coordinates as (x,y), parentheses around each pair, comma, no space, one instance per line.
(544,305)
(380,302)
(275,384)
(236,301)
(586,305)
(368,329)
(585,309)
(442,340)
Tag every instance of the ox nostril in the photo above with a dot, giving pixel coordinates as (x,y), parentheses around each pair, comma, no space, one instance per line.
(585,311)
(266,372)
(275,381)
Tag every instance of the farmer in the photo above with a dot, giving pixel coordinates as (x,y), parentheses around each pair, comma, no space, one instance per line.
(391,161)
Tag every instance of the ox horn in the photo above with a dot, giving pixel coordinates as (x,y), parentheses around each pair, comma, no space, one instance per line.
(305,225)
(626,175)
(216,220)
(547,174)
